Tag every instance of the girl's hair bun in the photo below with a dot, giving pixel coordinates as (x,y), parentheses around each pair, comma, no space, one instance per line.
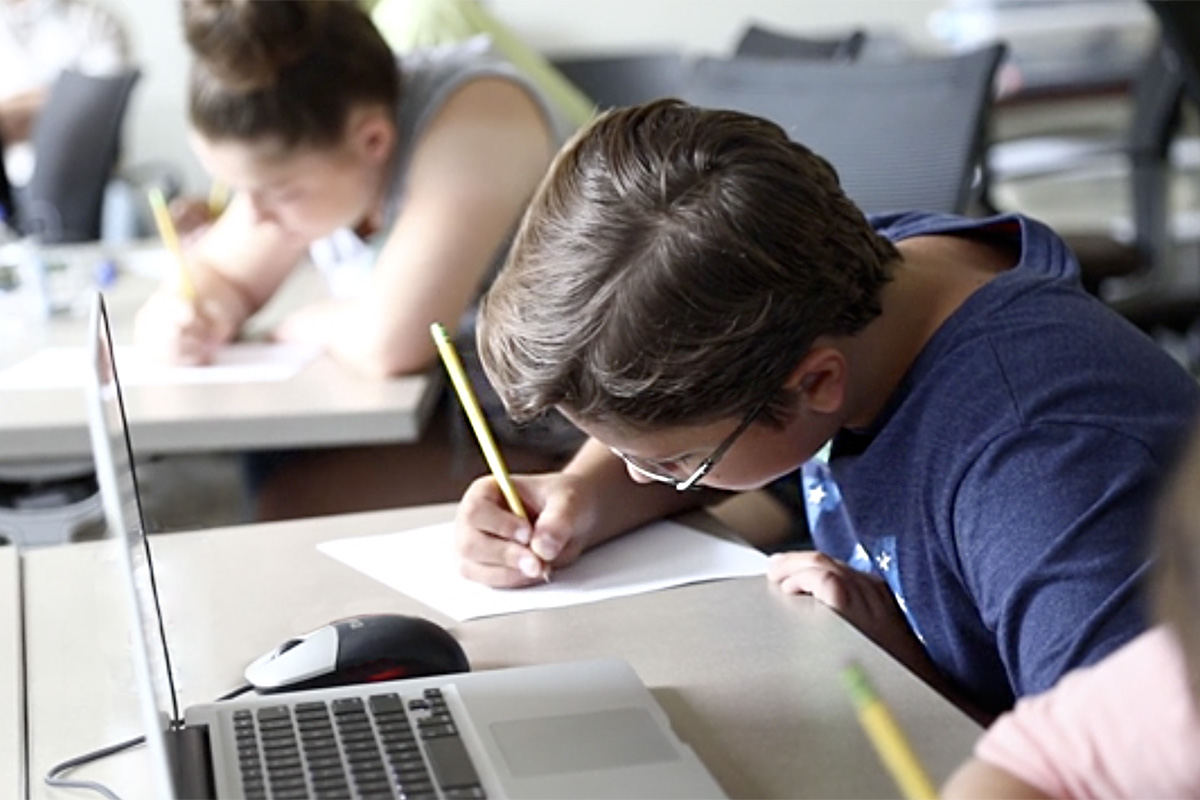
(245,44)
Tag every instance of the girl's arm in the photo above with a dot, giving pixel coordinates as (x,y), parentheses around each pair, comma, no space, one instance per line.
(471,175)
(235,266)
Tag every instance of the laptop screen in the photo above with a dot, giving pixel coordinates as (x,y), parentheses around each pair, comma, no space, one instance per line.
(113,455)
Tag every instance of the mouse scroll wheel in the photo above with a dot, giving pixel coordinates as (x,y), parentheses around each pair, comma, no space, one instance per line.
(288,645)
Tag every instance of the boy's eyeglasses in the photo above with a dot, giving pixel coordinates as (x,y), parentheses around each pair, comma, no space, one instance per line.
(654,472)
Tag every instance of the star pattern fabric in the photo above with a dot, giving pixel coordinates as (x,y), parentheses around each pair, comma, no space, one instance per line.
(829,521)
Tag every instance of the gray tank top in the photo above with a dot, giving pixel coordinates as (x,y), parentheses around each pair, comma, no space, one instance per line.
(428,78)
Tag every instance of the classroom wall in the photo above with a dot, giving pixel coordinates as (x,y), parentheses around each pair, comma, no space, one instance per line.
(708,25)
(157,129)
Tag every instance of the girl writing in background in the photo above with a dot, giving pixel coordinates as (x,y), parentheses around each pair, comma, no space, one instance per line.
(401,178)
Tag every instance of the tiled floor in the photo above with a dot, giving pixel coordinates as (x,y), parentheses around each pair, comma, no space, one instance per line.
(181,493)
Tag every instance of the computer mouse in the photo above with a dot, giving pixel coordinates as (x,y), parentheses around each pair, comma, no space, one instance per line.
(372,647)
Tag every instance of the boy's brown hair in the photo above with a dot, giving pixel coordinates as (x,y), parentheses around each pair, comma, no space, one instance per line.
(285,72)
(673,268)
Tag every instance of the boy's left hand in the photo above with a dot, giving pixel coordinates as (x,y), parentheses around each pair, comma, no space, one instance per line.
(864,600)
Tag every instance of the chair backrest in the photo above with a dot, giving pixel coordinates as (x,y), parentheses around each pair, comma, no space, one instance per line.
(1157,112)
(6,193)
(761,42)
(625,80)
(1180,27)
(906,135)
(76,140)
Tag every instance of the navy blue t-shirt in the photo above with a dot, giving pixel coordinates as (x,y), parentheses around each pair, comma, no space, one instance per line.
(1007,489)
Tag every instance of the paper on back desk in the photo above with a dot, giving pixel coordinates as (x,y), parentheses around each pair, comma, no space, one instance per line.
(422,564)
(241,362)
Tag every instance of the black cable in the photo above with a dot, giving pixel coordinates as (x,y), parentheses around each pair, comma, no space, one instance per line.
(235,692)
(53,776)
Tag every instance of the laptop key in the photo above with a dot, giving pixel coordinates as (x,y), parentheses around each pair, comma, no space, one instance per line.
(451,763)
(465,793)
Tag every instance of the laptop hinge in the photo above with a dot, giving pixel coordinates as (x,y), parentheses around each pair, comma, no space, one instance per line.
(190,758)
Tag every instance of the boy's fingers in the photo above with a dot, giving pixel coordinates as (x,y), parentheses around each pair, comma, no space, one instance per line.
(557,524)
(498,576)
(484,510)
(782,565)
(825,585)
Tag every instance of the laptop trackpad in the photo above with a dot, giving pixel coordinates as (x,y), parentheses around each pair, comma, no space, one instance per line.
(621,737)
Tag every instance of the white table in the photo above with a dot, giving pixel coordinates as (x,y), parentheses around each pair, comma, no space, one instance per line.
(748,676)
(325,405)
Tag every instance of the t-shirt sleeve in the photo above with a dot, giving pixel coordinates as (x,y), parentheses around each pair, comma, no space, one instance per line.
(1050,526)
(1122,728)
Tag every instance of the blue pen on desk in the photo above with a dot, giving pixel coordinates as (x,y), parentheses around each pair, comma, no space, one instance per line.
(104,273)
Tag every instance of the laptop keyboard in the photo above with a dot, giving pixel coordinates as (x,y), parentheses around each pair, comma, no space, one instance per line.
(383,746)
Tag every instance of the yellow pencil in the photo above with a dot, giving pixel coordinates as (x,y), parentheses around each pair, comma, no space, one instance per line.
(170,238)
(885,734)
(470,404)
(218,198)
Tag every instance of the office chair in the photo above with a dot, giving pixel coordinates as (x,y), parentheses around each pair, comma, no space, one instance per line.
(48,503)
(613,81)
(907,135)
(759,41)
(1142,151)
(76,140)
(6,194)
(1172,308)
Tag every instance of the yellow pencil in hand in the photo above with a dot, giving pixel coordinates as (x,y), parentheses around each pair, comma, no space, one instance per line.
(218,198)
(470,404)
(885,734)
(170,238)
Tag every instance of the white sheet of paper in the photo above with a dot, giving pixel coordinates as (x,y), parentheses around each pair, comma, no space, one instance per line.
(421,563)
(241,362)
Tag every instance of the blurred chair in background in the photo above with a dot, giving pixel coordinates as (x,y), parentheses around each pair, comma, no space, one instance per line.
(627,79)
(902,135)
(762,42)
(7,204)
(38,40)
(1141,154)
(76,138)
(1175,308)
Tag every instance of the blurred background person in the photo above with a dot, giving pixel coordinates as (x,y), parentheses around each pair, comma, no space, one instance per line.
(38,40)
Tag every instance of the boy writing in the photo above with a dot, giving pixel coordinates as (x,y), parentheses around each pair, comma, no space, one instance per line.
(695,292)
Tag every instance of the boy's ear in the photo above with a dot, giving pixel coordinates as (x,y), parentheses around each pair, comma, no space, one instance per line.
(819,380)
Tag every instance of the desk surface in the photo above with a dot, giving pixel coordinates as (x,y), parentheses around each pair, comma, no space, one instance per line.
(748,676)
(325,405)
(13,719)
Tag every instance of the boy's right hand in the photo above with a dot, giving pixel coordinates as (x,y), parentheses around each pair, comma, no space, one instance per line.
(498,548)
(176,330)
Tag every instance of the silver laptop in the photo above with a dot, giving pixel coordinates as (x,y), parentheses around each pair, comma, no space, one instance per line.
(574,729)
